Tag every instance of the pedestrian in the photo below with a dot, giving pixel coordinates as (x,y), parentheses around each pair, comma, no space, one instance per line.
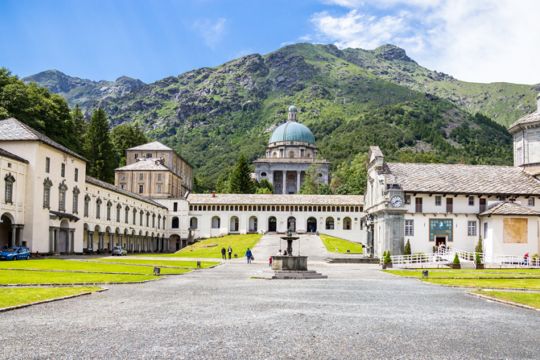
(526,259)
(249,255)
(229,250)
(223,256)
(270,261)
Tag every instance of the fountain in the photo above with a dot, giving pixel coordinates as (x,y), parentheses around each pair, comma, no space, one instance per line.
(291,266)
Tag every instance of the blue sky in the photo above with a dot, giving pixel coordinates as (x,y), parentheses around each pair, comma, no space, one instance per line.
(489,40)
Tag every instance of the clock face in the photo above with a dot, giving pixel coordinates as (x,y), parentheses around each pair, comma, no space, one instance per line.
(396,201)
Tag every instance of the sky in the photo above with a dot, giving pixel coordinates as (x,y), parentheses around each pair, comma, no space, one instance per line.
(472,40)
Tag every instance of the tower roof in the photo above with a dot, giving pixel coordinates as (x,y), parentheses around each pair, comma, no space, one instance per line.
(527,120)
(292,131)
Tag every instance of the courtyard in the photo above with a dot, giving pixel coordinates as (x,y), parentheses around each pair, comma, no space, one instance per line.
(358,312)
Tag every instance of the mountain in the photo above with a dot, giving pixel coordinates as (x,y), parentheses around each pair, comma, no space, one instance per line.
(350,98)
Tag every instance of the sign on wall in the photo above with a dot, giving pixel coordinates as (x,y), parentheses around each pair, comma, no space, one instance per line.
(440,227)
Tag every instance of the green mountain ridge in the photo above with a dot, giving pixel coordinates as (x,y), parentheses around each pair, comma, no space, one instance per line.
(350,99)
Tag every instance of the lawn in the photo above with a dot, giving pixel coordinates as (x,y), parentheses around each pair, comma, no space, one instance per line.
(525,298)
(337,245)
(47,277)
(507,283)
(211,248)
(27,295)
(470,273)
(185,264)
(86,266)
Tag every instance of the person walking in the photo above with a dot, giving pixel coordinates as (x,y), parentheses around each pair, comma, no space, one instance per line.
(229,250)
(223,256)
(249,255)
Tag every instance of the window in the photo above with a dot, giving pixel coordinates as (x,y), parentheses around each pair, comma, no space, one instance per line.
(175,223)
(471,228)
(147,218)
(86,205)
(438,200)
(409,227)
(158,190)
(126,217)
(153,220)
(407,199)
(418,203)
(159,221)
(485,230)
(159,177)
(482,205)
(141,218)
(109,206)
(118,208)
(193,223)
(175,206)
(98,208)
(449,205)
(134,216)
(531,201)
(47,165)
(141,177)
(63,170)
(47,184)
(347,223)
(148,155)
(329,223)
(62,197)
(216,222)
(471,200)
(76,175)
(76,193)
(136,156)
(9,179)
(141,189)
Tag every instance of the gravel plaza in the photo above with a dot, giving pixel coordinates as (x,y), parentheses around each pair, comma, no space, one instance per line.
(223,313)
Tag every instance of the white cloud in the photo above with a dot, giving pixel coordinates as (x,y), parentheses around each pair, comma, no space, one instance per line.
(211,31)
(482,40)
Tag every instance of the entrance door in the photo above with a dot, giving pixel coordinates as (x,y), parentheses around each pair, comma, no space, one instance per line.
(312,225)
(291,224)
(272,224)
(440,240)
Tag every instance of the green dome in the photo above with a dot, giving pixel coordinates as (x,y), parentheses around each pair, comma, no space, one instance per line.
(292,131)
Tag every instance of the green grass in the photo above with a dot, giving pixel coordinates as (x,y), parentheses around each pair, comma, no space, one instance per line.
(86,266)
(211,248)
(186,264)
(525,298)
(337,245)
(47,277)
(27,295)
(490,283)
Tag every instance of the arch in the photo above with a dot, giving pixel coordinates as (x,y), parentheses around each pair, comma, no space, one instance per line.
(97,228)
(193,223)
(216,222)
(311,225)
(291,224)
(175,223)
(253,224)
(108,229)
(329,223)
(175,240)
(234,224)
(6,228)
(347,223)
(272,224)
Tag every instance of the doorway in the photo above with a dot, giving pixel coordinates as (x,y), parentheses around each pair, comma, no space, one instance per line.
(311,225)
(272,224)
(291,224)
(440,240)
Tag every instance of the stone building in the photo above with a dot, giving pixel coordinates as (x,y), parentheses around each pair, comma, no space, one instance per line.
(155,170)
(291,151)
(526,133)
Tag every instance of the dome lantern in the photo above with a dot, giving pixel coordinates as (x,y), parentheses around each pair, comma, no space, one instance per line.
(292,113)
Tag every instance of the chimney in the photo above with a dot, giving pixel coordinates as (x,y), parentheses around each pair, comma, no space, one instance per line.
(213,194)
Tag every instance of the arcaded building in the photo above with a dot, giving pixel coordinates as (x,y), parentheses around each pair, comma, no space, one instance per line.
(291,151)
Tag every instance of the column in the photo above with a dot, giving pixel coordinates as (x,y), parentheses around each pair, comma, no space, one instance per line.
(56,230)
(13,235)
(101,241)
(51,240)
(90,241)
(111,241)
(71,241)
(284,181)
(119,240)
(298,182)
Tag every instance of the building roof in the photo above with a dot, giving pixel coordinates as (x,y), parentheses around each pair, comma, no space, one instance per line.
(510,208)
(462,179)
(151,164)
(155,145)
(291,160)
(275,199)
(111,187)
(13,130)
(527,120)
(292,131)
(7,154)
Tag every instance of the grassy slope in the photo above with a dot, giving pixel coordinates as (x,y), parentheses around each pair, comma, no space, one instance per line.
(525,298)
(27,295)
(337,245)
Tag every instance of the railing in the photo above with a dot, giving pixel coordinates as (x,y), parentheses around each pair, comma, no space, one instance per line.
(516,261)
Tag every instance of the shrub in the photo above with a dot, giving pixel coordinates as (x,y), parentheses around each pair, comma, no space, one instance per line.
(407,250)
(456,259)
(387,258)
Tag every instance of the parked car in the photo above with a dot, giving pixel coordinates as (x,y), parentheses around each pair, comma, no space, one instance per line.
(118,251)
(15,253)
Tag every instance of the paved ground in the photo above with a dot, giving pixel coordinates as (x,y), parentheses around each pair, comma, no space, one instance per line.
(359,312)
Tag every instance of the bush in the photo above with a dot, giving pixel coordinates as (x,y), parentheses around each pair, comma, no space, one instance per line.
(387,258)
(456,260)
(407,250)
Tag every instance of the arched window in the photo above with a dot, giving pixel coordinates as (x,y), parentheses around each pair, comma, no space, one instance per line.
(153,220)
(147,218)
(330,223)
(118,208)
(175,223)
(234,224)
(193,223)
(98,208)
(76,193)
(134,216)
(86,205)
(216,222)
(109,205)
(47,184)
(9,179)
(141,213)
(159,221)
(347,223)
(126,215)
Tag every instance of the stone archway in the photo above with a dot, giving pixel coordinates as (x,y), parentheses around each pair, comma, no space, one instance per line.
(6,231)
(253,224)
(234,224)
(291,224)
(62,245)
(311,225)
(272,224)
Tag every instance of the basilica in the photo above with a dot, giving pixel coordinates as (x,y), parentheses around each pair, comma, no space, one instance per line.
(49,204)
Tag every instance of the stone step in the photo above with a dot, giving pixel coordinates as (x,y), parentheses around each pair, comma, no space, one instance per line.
(355,260)
(298,275)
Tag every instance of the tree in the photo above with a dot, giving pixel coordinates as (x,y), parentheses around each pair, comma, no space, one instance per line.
(478,252)
(98,148)
(456,260)
(312,183)
(126,136)
(407,250)
(387,260)
(264,187)
(350,178)
(79,126)
(240,181)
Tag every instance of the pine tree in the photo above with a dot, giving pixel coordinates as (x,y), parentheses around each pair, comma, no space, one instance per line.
(407,250)
(264,187)
(98,148)
(240,181)
(79,127)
